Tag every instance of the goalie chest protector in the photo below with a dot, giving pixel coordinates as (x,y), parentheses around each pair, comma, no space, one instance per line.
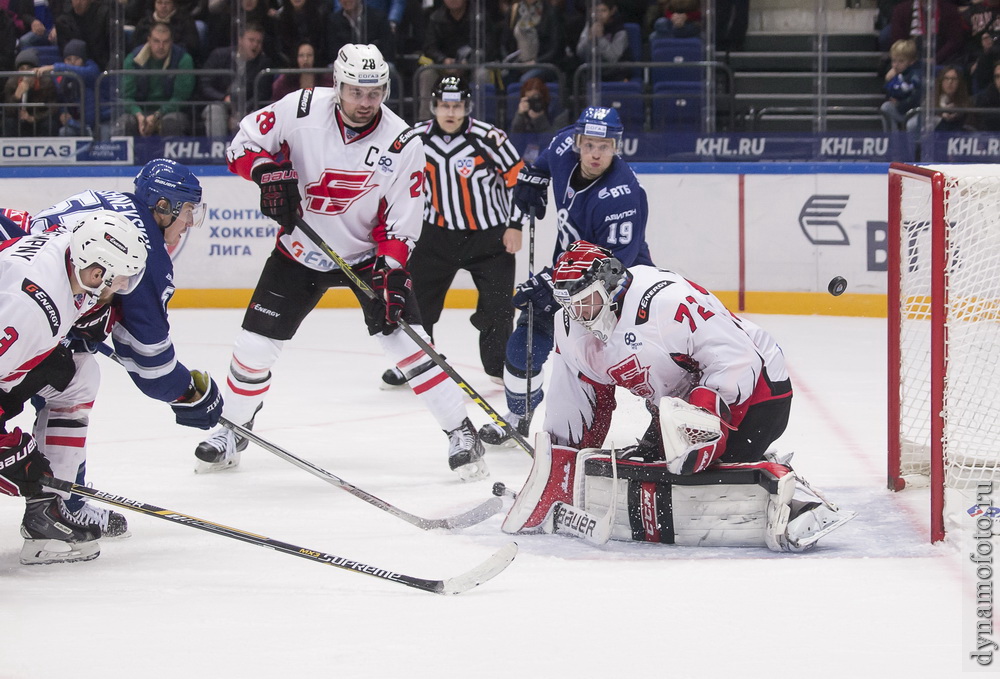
(725,505)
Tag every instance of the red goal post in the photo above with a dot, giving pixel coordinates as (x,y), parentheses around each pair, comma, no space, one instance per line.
(944,330)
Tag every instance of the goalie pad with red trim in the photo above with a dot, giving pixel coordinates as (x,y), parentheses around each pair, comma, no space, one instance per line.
(727,505)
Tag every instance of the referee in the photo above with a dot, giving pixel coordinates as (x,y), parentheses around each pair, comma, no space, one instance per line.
(470,172)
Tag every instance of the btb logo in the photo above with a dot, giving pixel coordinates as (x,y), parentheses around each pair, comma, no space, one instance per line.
(336,190)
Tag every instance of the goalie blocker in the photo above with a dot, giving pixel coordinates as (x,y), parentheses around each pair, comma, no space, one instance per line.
(587,494)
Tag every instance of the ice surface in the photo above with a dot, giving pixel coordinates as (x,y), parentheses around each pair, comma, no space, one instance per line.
(873,600)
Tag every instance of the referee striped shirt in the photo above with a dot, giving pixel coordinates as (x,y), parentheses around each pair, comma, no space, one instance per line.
(470,175)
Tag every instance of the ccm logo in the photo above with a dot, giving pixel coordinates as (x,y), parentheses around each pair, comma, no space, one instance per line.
(279,175)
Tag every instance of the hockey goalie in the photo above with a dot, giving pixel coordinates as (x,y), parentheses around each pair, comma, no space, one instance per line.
(719,393)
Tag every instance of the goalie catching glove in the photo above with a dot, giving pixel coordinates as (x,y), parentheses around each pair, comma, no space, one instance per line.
(392,286)
(279,191)
(201,404)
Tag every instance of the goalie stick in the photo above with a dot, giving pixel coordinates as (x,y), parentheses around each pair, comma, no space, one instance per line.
(475,515)
(455,585)
(412,334)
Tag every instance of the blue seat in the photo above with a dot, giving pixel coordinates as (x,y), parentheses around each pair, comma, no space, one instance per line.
(634,50)
(627,98)
(47,55)
(676,110)
(676,50)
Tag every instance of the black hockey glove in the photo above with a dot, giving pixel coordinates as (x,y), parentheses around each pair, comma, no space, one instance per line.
(201,405)
(279,192)
(532,190)
(392,286)
(536,291)
(93,327)
(22,463)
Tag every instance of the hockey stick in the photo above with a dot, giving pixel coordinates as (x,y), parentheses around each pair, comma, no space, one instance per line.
(366,290)
(530,362)
(454,585)
(470,518)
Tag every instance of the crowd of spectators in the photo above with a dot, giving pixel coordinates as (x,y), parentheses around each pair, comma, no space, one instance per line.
(537,41)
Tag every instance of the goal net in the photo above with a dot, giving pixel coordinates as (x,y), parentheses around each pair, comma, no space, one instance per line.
(944,329)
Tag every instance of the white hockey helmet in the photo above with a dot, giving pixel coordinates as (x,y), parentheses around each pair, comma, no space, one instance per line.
(113,242)
(361,65)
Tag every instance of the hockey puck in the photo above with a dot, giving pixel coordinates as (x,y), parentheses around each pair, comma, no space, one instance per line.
(837,286)
(499,489)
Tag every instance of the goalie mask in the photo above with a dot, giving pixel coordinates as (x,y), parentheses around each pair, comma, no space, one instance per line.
(114,243)
(585,281)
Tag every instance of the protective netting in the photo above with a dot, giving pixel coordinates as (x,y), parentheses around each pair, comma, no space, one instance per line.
(971,200)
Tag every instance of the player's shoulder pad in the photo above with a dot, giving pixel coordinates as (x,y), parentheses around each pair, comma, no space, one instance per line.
(646,299)
(562,141)
(491,135)
(407,136)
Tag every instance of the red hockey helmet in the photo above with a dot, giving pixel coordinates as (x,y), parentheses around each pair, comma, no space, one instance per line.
(585,281)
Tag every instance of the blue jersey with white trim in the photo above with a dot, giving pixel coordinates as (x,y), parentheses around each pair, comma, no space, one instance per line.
(610,212)
(142,335)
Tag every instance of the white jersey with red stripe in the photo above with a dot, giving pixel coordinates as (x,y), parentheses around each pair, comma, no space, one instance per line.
(362,192)
(671,336)
(37,304)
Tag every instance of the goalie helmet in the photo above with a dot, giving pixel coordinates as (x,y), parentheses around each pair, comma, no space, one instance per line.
(585,281)
(361,65)
(601,122)
(452,88)
(114,243)
(163,179)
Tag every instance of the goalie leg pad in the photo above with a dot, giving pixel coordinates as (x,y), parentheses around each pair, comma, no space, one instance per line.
(730,505)
(549,481)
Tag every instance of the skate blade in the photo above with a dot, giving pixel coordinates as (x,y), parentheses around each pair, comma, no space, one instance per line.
(809,542)
(474,471)
(202,467)
(45,552)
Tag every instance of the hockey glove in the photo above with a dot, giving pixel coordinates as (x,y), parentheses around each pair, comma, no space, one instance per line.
(201,405)
(22,463)
(532,191)
(279,191)
(392,285)
(536,291)
(94,327)
(694,432)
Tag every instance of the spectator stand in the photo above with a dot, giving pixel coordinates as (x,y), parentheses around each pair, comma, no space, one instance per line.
(11,109)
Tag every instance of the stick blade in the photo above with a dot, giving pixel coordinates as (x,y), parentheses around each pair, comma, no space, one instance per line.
(481,573)
(475,515)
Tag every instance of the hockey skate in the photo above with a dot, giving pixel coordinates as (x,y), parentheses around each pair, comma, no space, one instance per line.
(110,523)
(465,452)
(495,436)
(811,522)
(221,450)
(52,536)
(393,378)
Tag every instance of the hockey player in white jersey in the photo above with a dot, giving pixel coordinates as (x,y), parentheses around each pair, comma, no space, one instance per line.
(720,394)
(47,282)
(339,157)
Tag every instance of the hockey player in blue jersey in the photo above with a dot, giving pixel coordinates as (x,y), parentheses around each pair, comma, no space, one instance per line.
(166,202)
(598,199)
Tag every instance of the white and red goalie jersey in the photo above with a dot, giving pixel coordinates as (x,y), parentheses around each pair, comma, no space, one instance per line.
(361,192)
(37,304)
(671,336)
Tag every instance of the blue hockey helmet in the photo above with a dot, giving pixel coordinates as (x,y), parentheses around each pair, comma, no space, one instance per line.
(600,121)
(163,179)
